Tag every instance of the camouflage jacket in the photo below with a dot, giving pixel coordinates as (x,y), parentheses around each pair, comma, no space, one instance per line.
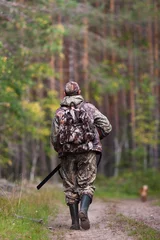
(103,126)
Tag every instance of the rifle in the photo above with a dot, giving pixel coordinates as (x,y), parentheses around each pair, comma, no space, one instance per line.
(49,176)
(58,168)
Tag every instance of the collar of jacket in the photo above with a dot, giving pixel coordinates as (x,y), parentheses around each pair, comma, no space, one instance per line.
(77,99)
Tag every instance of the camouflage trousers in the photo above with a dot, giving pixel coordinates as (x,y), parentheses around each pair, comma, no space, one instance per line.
(79,172)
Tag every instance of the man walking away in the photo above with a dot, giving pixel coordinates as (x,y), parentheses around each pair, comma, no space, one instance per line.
(77,128)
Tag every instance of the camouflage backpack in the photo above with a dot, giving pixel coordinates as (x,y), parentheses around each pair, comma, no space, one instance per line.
(76,126)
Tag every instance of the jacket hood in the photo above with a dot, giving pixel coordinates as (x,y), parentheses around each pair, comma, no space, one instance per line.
(77,99)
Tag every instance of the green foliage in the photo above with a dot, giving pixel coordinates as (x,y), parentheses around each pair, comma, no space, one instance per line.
(68,4)
(12,88)
(40,71)
(111,76)
(97,89)
(37,34)
(145,121)
(26,49)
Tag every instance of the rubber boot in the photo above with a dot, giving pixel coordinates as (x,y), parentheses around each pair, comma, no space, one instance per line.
(74,216)
(83,213)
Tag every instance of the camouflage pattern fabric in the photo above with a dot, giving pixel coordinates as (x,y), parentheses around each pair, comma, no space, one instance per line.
(101,123)
(78,161)
(71,88)
(76,128)
(79,172)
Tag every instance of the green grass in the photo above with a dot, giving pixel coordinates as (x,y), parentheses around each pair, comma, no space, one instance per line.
(128,185)
(137,229)
(158,203)
(104,194)
(34,204)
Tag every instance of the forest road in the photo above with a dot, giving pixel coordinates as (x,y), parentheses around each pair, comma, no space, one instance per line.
(108,220)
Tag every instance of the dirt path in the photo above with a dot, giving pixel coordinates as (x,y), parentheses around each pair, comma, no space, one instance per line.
(104,223)
(148,213)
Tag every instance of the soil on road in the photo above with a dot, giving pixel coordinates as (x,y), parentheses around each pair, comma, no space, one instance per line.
(105,219)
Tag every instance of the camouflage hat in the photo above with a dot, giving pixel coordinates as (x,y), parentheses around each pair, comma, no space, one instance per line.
(72,88)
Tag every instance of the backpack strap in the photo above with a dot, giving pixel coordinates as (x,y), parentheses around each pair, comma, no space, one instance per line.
(72,104)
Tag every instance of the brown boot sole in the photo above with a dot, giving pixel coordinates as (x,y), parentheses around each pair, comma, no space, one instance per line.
(85,224)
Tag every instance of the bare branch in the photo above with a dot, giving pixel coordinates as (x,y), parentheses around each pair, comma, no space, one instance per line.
(31,219)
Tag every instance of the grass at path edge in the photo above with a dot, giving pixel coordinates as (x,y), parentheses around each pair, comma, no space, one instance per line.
(30,205)
(138,229)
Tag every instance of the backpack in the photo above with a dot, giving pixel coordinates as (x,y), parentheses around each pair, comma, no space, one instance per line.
(76,126)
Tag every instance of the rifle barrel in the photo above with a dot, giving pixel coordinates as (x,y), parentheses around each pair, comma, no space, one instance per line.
(49,176)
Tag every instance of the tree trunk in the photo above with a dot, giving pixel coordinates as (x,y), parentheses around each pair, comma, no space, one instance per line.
(85,60)
(35,154)
(115,104)
(42,159)
(157,87)
(60,67)
(54,163)
(23,159)
(118,148)
(131,98)
(151,63)
(52,78)
(71,61)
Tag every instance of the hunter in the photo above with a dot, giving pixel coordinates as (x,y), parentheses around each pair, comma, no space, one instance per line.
(77,128)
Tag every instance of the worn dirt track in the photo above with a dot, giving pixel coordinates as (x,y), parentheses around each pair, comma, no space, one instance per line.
(104,225)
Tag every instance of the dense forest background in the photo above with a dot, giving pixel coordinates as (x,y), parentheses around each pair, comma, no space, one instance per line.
(110,47)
